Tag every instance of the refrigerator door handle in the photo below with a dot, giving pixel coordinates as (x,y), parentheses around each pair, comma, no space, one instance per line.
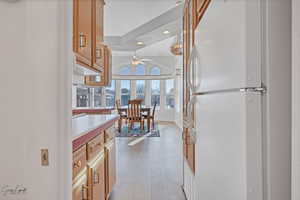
(193,65)
(261,90)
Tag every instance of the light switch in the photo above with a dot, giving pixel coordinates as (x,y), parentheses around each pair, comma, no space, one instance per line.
(44,157)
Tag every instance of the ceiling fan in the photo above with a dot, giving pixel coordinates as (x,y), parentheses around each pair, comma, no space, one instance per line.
(136,60)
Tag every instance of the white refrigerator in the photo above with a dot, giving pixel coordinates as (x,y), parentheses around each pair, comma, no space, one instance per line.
(225,109)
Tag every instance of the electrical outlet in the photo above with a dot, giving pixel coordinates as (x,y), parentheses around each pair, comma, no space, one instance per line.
(44,157)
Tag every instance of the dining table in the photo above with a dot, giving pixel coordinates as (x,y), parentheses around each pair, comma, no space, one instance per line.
(146,111)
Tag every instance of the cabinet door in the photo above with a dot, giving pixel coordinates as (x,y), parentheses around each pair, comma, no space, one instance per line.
(82,33)
(80,189)
(98,53)
(97,179)
(104,79)
(111,168)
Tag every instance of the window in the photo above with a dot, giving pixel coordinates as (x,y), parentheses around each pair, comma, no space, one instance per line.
(155,87)
(110,93)
(170,94)
(125,70)
(140,90)
(125,92)
(140,70)
(155,92)
(155,71)
(98,93)
(83,97)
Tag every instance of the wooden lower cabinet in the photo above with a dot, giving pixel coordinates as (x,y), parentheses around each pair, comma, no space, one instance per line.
(94,167)
(96,179)
(111,170)
(80,188)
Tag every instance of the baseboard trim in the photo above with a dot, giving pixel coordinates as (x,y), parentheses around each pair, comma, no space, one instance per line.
(166,122)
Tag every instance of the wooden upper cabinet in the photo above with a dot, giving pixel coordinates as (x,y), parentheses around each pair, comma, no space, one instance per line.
(88,33)
(98,34)
(82,33)
(104,79)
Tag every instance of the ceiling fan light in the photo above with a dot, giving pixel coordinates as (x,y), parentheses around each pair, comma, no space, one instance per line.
(135,62)
(166,32)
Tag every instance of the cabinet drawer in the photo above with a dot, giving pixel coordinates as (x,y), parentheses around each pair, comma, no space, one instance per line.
(110,133)
(95,146)
(79,160)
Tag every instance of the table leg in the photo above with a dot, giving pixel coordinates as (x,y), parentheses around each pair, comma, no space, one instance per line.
(120,125)
(148,124)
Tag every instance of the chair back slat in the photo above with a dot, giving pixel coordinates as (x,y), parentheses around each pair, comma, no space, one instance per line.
(118,105)
(134,109)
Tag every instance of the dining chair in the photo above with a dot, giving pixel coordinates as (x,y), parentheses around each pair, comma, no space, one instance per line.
(151,117)
(134,113)
(123,115)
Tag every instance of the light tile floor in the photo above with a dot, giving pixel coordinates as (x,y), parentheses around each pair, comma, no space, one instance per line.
(151,169)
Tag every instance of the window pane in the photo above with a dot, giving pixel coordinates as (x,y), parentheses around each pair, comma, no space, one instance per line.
(140,70)
(125,70)
(125,92)
(98,97)
(155,92)
(155,71)
(140,90)
(83,97)
(110,94)
(170,93)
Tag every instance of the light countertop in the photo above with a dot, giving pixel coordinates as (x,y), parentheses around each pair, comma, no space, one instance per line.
(86,123)
(86,127)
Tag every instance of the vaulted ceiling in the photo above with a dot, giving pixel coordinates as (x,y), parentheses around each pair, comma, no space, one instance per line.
(128,22)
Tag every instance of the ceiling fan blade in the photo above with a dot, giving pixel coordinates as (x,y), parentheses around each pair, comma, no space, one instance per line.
(145,59)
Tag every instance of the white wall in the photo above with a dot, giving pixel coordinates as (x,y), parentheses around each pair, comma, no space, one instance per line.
(296,101)
(34,99)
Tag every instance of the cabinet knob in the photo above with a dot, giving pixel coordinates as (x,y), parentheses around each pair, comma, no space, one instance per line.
(99,144)
(77,164)
(82,40)
(99,53)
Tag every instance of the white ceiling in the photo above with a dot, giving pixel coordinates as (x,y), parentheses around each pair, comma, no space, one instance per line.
(124,35)
(129,21)
(161,48)
(122,16)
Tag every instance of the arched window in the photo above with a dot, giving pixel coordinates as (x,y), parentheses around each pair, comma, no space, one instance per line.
(140,69)
(125,70)
(155,71)
(140,84)
(155,87)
